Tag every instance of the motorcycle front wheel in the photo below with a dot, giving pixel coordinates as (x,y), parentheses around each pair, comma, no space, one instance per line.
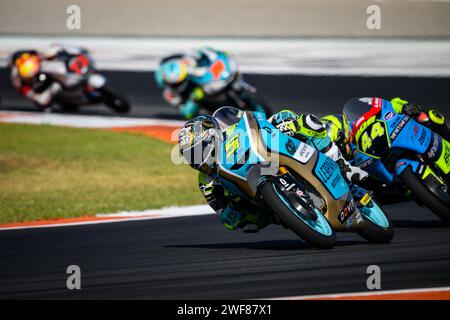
(377,227)
(317,233)
(115,101)
(438,203)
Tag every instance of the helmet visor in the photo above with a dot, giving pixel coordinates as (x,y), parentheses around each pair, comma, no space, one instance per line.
(197,142)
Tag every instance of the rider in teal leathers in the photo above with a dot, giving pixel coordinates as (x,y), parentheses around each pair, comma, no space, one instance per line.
(234,212)
(175,76)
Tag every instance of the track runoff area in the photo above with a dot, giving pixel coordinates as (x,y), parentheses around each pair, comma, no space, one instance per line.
(282,72)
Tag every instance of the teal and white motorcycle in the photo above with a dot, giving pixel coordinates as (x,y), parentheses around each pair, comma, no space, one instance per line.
(304,189)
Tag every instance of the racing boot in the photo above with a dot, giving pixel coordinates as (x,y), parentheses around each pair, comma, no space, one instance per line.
(353,174)
(246,216)
(255,220)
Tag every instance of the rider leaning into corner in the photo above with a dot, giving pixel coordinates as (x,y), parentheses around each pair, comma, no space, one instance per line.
(40,76)
(175,76)
(235,212)
(339,133)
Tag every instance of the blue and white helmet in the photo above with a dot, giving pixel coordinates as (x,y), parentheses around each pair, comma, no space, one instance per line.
(173,73)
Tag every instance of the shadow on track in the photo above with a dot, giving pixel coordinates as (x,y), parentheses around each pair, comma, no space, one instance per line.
(433,224)
(280,245)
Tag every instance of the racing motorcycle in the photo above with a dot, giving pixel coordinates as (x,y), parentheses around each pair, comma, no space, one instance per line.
(219,78)
(396,151)
(75,82)
(304,189)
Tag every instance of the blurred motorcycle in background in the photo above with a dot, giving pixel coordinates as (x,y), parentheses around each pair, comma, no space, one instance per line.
(65,76)
(206,79)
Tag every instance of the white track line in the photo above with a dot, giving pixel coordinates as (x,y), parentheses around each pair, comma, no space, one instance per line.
(368,57)
(126,216)
(169,212)
(364,294)
(81,121)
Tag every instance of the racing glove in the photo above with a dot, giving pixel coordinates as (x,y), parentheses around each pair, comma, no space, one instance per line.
(189,109)
(430,118)
(412,110)
(409,108)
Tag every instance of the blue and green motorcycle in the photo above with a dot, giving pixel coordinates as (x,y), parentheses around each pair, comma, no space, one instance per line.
(303,188)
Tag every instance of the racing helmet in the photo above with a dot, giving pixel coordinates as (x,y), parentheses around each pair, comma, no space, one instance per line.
(197,142)
(337,127)
(338,131)
(173,73)
(28,65)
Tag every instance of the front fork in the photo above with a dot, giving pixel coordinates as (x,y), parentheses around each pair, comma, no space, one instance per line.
(426,173)
(296,193)
(439,152)
(443,159)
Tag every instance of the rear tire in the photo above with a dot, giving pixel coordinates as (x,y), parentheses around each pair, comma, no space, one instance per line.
(425,196)
(294,223)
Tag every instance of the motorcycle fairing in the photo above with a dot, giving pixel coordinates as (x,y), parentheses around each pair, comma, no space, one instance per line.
(263,144)
(404,133)
(217,75)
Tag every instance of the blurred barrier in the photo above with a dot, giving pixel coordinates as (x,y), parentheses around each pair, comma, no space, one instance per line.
(379,57)
(240,18)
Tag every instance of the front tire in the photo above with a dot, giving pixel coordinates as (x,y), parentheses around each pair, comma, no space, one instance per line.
(374,232)
(296,221)
(425,196)
(116,102)
(69,107)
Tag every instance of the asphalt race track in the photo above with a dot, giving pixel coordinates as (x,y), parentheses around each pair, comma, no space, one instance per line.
(196,258)
(316,94)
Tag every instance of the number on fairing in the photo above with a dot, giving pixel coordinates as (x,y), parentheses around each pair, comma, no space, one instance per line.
(377,130)
(373,132)
(232,145)
(366,142)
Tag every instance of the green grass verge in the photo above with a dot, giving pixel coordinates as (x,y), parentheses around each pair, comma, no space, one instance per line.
(49,172)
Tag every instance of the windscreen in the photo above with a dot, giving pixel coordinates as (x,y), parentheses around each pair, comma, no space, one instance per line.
(355,109)
(227,116)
